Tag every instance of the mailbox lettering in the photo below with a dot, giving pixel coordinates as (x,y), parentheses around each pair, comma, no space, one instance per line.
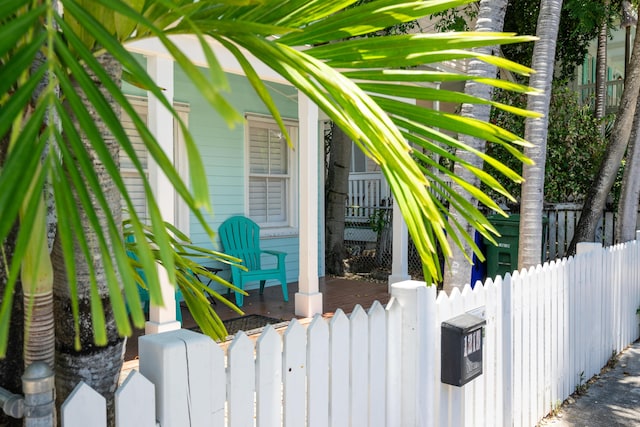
(461,358)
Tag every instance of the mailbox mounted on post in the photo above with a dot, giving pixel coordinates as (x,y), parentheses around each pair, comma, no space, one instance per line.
(461,350)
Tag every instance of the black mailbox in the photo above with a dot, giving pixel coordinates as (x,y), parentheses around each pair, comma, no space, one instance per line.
(461,352)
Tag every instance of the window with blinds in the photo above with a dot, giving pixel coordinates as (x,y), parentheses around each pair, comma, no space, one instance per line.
(269,172)
(132,178)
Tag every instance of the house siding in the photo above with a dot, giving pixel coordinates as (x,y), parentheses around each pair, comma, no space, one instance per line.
(223,150)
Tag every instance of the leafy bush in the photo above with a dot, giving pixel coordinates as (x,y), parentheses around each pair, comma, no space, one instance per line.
(574,145)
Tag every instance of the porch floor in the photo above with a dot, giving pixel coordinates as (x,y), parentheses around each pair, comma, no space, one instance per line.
(337,292)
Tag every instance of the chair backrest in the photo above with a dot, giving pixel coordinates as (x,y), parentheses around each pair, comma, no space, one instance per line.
(240,237)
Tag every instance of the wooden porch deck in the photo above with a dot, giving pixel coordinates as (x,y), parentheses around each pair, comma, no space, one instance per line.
(337,292)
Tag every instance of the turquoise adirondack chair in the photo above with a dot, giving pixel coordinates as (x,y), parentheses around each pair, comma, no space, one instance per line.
(240,238)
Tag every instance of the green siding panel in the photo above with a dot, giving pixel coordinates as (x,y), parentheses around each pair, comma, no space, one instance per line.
(222,151)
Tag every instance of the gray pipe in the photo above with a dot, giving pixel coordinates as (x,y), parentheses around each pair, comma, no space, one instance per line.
(39,395)
(12,404)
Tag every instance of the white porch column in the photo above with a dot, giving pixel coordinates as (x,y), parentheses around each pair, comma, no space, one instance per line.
(400,249)
(162,319)
(308,301)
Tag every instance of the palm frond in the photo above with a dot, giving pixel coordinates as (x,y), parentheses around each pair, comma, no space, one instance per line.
(318,46)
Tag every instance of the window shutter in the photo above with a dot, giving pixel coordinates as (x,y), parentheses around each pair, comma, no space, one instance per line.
(132,178)
(268,173)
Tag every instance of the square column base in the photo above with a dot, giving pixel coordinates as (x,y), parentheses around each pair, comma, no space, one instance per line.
(156,328)
(308,305)
(395,278)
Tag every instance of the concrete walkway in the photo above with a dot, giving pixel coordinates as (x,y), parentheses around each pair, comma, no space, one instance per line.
(612,400)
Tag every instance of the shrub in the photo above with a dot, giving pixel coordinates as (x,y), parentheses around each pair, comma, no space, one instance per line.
(574,145)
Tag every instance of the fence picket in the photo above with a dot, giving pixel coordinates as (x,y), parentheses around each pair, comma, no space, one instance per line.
(506,355)
(429,357)
(443,391)
(84,407)
(547,338)
(551,313)
(456,393)
(317,368)
(359,366)
(377,365)
(529,332)
(470,405)
(517,337)
(540,351)
(269,378)
(294,368)
(339,374)
(492,355)
(394,366)
(135,402)
(552,238)
(242,381)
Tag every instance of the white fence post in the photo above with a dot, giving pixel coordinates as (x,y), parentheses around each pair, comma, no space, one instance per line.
(181,365)
(417,335)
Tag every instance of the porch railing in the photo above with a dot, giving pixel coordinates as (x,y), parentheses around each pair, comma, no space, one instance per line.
(368,191)
(614,93)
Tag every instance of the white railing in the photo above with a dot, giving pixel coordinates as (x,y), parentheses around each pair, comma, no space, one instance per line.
(368,191)
(613,95)
(562,222)
(547,330)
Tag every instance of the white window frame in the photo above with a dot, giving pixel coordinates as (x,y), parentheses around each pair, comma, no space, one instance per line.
(290,226)
(182,217)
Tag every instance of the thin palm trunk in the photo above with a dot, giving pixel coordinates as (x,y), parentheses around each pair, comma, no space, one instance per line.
(602,184)
(601,72)
(536,129)
(97,366)
(490,18)
(337,188)
(627,215)
(11,366)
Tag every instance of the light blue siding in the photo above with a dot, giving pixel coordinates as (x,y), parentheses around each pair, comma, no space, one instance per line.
(222,150)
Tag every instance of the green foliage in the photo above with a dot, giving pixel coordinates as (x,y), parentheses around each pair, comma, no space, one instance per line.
(579,25)
(399,28)
(379,219)
(574,145)
(582,387)
(456,19)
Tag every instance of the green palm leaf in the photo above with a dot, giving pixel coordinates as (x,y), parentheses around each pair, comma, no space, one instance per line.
(272,31)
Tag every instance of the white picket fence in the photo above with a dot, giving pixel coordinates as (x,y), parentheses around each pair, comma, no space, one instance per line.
(547,329)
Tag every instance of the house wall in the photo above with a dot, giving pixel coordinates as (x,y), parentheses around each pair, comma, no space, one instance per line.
(223,150)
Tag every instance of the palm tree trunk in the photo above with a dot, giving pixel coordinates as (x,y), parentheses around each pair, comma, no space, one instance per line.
(597,196)
(11,366)
(625,228)
(99,367)
(337,188)
(491,19)
(601,71)
(536,129)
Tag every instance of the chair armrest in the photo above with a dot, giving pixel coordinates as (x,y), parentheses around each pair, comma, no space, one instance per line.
(278,254)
